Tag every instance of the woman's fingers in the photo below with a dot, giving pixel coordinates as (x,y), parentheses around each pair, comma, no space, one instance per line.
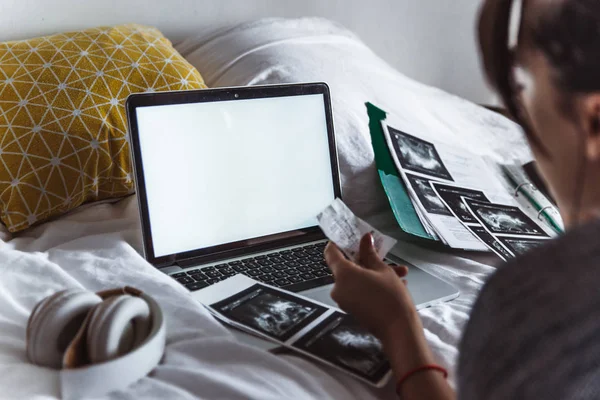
(400,270)
(335,258)
(368,255)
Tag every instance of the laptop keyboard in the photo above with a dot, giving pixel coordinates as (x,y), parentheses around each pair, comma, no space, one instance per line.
(295,270)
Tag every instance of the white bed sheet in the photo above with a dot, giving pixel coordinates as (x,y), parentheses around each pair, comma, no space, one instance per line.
(97,246)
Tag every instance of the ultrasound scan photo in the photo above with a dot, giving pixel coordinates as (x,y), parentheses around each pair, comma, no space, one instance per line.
(341,341)
(452,196)
(274,313)
(501,219)
(431,202)
(491,241)
(418,155)
(521,246)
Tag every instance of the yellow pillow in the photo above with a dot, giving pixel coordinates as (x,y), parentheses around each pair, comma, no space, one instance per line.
(63,130)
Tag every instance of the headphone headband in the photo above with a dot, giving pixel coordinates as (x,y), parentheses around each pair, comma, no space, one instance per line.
(95,326)
(76,354)
(105,294)
(98,379)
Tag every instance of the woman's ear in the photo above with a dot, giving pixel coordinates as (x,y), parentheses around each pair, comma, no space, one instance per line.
(591,120)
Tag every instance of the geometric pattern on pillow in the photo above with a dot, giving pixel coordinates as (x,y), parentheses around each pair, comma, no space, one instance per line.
(63,129)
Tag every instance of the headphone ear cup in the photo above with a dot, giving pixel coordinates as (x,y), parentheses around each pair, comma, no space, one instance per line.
(54,323)
(116,327)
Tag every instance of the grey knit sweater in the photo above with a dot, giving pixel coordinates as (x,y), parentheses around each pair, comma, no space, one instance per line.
(534,332)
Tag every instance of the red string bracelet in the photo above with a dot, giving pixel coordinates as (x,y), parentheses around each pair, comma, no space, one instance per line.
(422,368)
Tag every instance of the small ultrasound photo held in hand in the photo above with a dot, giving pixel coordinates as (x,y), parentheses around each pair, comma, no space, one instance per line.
(274,313)
(342,342)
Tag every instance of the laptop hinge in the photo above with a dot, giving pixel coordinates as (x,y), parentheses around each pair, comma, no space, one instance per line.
(245,252)
(170,269)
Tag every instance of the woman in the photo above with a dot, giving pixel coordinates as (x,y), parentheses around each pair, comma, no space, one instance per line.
(534,332)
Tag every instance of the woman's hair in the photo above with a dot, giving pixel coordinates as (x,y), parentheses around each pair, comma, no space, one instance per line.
(567,32)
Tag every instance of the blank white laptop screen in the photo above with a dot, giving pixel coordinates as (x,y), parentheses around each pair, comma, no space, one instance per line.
(225,171)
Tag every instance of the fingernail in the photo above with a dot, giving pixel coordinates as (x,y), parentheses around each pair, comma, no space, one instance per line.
(371,239)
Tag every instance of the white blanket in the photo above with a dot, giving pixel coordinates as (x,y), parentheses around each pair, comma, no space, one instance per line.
(97,247)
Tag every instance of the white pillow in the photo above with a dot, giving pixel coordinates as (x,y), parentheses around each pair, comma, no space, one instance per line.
(312,49)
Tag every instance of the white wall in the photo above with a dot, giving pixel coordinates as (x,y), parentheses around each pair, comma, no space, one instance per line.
(430,40)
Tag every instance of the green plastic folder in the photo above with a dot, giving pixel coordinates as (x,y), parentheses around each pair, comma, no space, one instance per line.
(392,182)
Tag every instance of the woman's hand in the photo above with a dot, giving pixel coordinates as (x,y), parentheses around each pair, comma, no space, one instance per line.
(377,296)
(373,292)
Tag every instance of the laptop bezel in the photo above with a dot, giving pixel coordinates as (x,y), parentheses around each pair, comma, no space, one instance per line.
(238,248)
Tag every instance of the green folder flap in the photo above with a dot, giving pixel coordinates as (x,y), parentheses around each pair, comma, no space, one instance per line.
(394,187)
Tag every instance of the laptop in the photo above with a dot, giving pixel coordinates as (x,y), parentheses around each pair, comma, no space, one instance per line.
(229,181)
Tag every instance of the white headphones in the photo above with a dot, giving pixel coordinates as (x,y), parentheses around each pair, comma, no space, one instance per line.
(102,341)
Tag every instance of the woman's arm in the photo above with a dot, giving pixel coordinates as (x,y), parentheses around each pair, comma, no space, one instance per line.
(375,294)
(407,350)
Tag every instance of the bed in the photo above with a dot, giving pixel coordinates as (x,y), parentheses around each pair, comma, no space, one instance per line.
(98,245)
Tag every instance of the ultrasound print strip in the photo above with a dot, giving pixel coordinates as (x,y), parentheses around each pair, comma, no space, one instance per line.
(274,313)
(501,219)
(418,155)
(491,242)
(427,196)
(339,340)
(452,198)
(520,245)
